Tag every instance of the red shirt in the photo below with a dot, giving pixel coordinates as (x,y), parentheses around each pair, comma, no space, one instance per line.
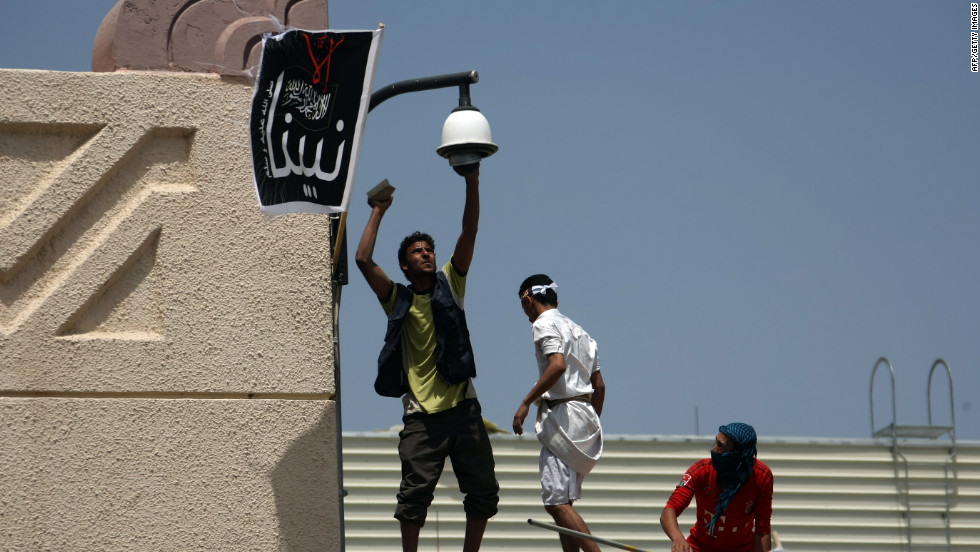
(748,513)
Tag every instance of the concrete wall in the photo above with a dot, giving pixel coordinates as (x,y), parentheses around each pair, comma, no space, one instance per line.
(166,357)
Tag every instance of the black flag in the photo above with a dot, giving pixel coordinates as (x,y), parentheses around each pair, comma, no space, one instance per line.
(308,113)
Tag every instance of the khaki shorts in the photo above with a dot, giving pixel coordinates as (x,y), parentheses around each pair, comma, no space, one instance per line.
(425,443)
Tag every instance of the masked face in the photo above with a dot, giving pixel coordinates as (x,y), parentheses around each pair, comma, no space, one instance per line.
(723,456)
(725,462)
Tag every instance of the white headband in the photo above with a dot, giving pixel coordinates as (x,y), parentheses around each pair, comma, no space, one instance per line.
(536,290)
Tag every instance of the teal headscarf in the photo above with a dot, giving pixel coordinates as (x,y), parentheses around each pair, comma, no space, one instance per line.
(734,467)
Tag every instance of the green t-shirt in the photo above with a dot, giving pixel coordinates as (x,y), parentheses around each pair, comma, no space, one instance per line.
(419,347)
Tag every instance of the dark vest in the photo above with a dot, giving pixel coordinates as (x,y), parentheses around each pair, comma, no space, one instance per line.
(454,354)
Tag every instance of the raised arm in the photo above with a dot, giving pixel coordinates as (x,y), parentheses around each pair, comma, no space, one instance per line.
(463,254)
(376,278)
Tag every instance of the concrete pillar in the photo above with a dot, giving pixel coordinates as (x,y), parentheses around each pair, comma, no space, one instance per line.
(166,352)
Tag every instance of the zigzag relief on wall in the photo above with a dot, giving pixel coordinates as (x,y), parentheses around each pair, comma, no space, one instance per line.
(30,159)
(127,305)
(84,225)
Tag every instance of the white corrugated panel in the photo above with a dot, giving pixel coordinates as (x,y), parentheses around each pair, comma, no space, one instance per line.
(830,495)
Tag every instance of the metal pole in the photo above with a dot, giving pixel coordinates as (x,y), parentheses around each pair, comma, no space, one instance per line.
(573,533)
(338,230)
(337,290)
(463,80)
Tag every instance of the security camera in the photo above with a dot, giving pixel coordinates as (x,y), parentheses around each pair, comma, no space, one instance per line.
(466,139)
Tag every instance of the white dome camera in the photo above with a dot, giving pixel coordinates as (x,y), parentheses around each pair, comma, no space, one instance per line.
(466,137)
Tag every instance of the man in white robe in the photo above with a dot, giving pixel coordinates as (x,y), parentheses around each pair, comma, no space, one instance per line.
(569,394)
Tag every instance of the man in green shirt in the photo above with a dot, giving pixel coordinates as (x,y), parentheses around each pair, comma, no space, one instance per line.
(428,361)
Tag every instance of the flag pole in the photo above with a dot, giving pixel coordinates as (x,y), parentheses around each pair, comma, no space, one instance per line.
(574,533)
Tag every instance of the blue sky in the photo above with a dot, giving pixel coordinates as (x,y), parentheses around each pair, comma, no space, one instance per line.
(745,204)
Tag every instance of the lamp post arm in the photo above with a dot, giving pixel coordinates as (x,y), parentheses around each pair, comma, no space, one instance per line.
(463,80)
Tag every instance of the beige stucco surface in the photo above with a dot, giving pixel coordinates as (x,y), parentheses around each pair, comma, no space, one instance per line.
(166,356)
(133,256)
(139,474)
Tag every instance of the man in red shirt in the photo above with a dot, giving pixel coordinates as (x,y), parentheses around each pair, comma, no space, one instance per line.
(734,498)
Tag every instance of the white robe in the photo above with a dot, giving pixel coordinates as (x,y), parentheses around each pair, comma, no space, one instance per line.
(572,432)
(569,429)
